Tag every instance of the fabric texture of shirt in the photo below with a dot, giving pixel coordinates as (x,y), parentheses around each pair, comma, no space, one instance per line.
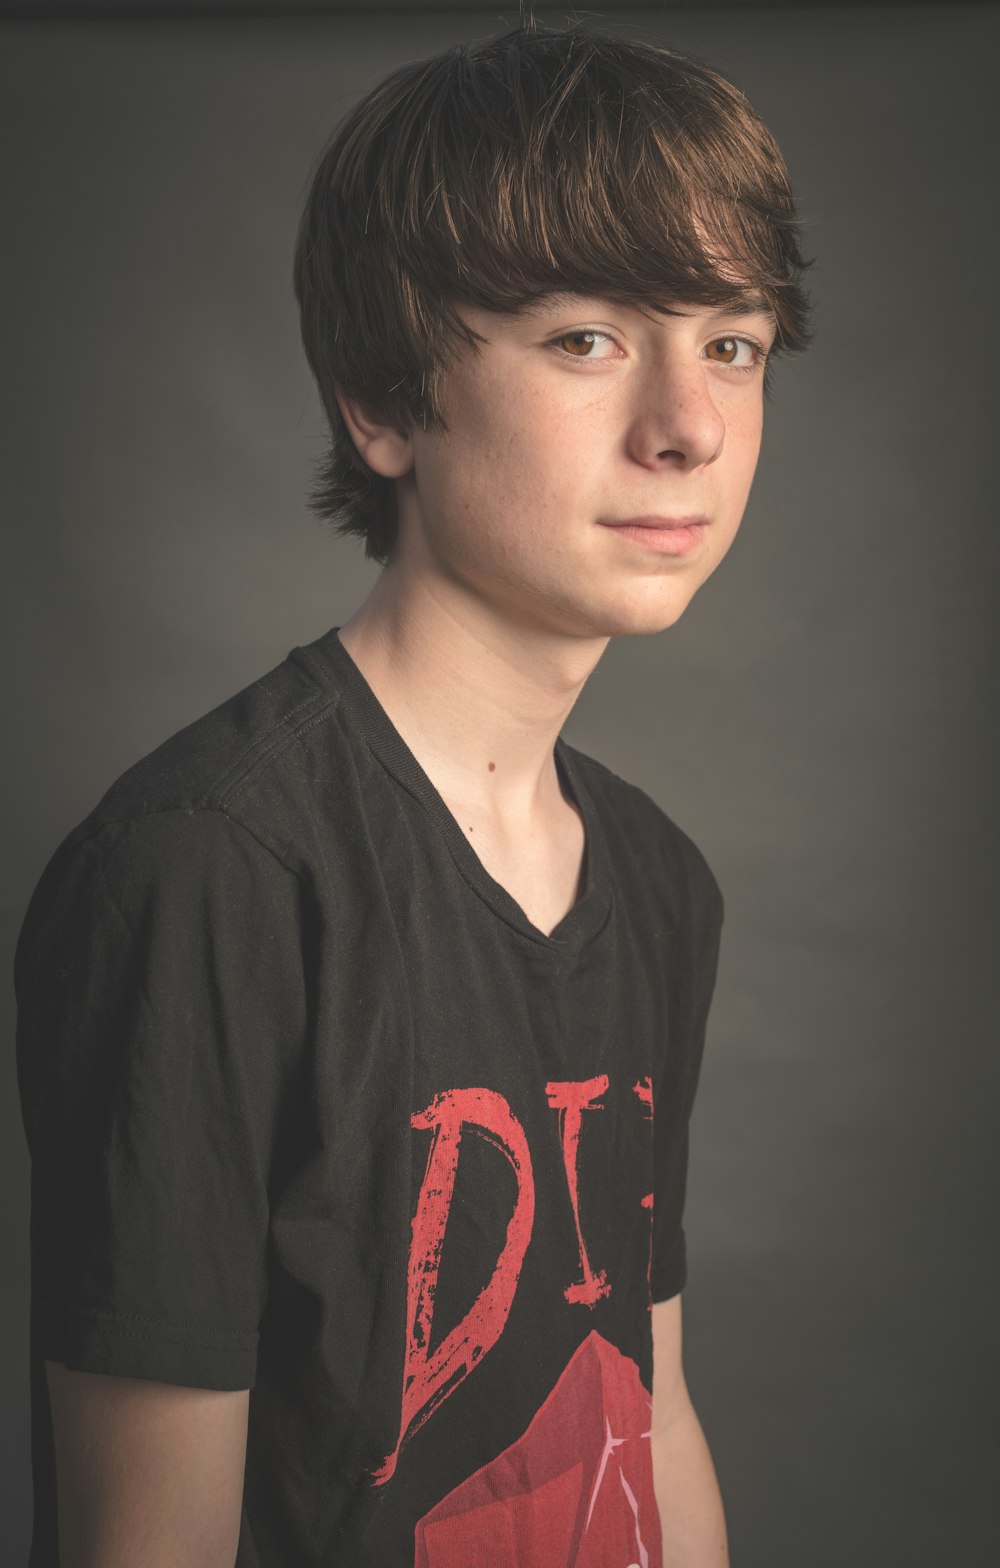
(314,1109)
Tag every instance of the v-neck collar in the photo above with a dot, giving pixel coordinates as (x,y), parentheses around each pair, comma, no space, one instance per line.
(331,663)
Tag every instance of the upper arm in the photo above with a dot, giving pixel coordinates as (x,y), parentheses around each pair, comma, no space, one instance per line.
(670,1393)
(146,1471)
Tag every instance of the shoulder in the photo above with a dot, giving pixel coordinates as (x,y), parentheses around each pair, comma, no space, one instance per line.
(211,762)
(222,803)
(639,830)
(234,773)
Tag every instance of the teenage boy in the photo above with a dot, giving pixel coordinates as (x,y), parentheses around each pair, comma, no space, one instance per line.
(361,1022)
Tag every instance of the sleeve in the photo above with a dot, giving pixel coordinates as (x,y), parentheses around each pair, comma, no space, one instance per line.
(160,1002)
(696,942)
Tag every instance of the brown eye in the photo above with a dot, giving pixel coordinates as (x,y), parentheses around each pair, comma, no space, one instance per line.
(583,339)
(729,347)
(724,351)
(586,337)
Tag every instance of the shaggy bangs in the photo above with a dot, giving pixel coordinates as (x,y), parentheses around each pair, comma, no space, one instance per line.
(493,175)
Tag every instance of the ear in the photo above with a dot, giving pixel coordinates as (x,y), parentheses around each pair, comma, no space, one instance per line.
(387,450)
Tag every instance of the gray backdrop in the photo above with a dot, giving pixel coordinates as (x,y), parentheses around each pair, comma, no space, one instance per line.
(819,721)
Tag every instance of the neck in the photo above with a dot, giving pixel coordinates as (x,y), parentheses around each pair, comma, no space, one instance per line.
(479,699)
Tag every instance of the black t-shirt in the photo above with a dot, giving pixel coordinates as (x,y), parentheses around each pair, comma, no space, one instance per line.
(315,1110)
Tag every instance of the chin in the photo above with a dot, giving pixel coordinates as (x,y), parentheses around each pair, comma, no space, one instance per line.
(634,610)
(643,618)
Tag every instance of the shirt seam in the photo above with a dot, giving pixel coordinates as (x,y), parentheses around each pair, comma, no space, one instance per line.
(279,724)
(201,808)
(163,1328)
(274,751)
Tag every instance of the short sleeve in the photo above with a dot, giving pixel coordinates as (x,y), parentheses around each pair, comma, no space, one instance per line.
(696,942)
(160,997)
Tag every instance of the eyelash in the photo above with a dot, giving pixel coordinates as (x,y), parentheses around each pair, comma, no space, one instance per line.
(760,352)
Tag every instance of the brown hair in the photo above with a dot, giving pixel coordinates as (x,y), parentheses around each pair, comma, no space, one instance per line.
(496,173)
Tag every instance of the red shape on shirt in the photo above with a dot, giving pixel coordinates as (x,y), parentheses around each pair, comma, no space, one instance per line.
(575,1490)
(571,1100)
(644,1090)
(430,1376)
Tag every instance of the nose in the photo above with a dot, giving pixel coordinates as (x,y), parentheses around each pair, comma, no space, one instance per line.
(677,421)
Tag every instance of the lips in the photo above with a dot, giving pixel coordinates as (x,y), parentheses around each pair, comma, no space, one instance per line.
(650,521)
(666,536)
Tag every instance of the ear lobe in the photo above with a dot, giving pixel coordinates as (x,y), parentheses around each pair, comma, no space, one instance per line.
(386,449)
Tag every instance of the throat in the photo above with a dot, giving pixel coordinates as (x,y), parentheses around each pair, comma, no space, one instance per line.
(543,870)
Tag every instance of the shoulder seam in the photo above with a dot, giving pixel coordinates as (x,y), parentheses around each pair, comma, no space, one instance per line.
(279,725)
(202,809)
(273,751)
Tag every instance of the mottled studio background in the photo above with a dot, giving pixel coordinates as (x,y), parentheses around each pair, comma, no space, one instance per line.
(821,720)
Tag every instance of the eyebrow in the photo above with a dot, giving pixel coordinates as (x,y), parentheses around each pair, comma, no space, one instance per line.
(750,305)
(747,305)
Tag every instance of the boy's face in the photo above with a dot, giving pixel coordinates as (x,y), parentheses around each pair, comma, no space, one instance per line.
(575,417)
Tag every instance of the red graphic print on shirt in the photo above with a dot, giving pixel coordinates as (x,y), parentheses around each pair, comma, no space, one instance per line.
(644,1089)
(575,1490)
(571,1100)
(430,1376)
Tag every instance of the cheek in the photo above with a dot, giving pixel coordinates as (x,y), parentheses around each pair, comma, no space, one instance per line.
(525,463)
(751,423)
(743,438)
